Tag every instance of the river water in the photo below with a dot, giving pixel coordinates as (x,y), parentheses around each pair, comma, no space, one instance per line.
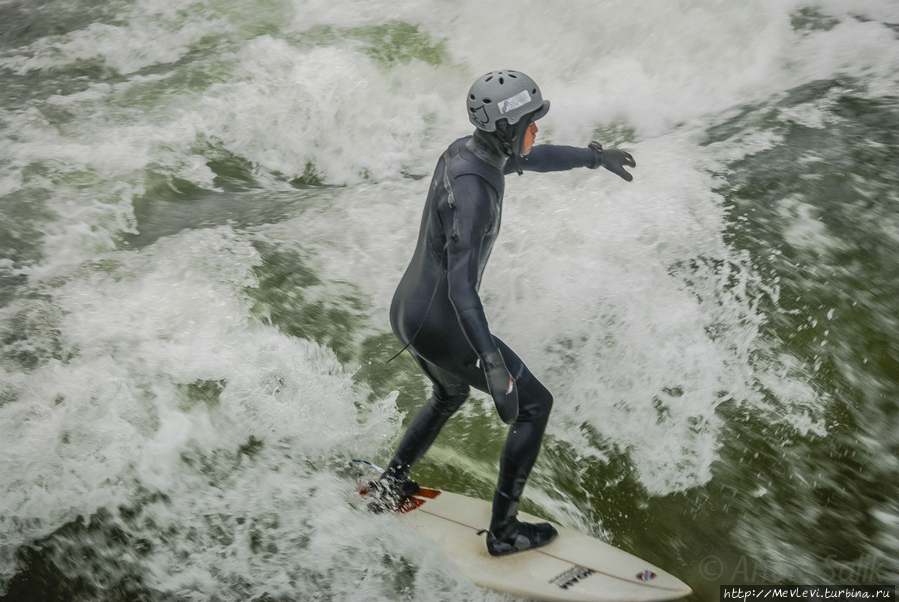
(206,206)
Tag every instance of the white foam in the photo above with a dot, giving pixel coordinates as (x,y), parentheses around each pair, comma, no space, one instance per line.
(90,432)
(147,38)
(622,297)
(331,107)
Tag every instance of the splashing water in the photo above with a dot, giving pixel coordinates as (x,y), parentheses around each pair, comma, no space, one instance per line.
(206,207)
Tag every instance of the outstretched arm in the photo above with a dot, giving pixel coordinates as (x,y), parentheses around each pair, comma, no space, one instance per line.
(549,157)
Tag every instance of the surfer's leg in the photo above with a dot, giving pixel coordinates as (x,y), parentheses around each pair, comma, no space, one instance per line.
(525,435)
(449,393)
(507,534)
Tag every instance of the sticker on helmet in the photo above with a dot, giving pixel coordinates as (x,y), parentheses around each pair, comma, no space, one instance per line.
(513,102)
(480,116)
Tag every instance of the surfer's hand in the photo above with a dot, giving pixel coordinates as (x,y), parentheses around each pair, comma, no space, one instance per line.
(501,386)
(614,160)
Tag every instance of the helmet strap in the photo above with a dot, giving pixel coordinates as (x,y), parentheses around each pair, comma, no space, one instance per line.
(516,165)
(512,137)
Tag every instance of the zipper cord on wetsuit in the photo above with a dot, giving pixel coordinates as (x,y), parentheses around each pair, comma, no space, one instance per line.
(451,201)
(450,198)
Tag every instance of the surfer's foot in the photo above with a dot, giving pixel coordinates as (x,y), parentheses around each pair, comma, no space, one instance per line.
(511,535)
(387,494)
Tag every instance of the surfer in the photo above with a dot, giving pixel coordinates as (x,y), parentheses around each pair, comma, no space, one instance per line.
(437,313)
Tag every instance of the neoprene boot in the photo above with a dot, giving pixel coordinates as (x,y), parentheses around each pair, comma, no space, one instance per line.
(508,535)
(388,493)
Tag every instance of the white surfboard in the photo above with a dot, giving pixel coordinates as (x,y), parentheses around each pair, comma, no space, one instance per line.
(574,566)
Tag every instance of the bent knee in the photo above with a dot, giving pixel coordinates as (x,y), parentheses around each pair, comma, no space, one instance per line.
(534,404)
(546,403)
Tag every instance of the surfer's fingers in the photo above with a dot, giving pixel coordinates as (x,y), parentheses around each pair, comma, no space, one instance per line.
(615,161)
(619,170)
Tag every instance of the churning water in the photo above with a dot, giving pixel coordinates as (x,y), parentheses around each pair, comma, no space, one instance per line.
(206,206)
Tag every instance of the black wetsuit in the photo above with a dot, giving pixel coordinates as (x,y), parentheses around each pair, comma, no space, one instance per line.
(437,312)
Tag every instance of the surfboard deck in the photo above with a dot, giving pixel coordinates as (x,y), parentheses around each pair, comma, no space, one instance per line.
(573,567)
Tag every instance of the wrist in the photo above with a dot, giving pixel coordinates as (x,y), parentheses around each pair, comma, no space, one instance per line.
(596,147)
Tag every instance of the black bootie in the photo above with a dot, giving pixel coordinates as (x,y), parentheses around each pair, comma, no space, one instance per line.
(389,492)
(508,535)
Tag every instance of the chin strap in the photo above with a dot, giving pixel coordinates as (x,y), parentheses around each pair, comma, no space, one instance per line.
(511,153)
(515,143)
(515,163)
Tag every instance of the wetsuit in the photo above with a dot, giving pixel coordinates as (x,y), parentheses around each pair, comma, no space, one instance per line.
(437,312)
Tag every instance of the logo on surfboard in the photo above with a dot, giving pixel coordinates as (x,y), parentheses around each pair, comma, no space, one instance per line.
(571,577)
(646,575)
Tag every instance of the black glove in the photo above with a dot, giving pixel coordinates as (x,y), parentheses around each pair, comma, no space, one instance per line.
(501,386)
(614,160)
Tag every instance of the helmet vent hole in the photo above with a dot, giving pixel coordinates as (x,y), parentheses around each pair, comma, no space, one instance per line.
(471,96)
(486,101)
(501,81)
(488,79)
(471,109)
(512,75)
(534,91)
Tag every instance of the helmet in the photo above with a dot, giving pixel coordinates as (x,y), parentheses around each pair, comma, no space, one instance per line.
(508,95)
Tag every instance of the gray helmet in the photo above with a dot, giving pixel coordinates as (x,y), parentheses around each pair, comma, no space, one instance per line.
(504,95)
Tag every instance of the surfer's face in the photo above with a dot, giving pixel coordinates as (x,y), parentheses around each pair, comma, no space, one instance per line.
(529,137)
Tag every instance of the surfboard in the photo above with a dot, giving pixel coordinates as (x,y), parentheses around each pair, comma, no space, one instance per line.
(573,567)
